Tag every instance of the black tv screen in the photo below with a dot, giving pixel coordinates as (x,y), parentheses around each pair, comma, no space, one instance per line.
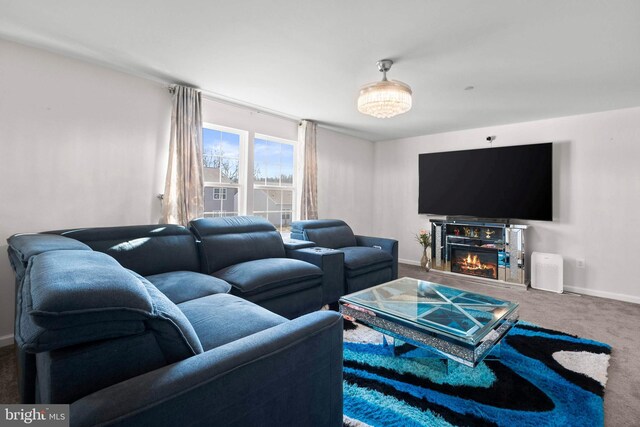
(506,182)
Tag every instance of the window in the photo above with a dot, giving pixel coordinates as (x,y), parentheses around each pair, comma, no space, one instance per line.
(227,170)
(222,150)
(219,194)
(273,180)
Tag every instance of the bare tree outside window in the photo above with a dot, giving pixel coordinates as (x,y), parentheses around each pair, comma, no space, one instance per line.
(216,158)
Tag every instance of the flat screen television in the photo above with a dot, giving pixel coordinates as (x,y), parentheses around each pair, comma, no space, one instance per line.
(506,182)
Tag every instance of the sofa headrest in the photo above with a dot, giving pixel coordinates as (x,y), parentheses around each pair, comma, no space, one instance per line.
(328,233)
(24,246)
(300,226)
(145,249)
(232,224)
(232,240)
(126,232)
(27,245)
(72,297)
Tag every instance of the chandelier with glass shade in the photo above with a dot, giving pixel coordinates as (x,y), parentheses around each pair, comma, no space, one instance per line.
(386,98)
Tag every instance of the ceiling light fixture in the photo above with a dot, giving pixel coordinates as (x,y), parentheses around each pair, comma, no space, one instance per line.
(386,98)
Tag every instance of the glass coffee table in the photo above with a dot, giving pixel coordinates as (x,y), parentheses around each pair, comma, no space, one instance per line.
(451,323)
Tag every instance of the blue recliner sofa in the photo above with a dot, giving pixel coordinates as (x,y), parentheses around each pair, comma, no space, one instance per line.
(122,324)
(262,269)
(368,261)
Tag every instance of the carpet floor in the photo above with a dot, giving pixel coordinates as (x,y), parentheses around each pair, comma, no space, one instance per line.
(542,378)
(8,376)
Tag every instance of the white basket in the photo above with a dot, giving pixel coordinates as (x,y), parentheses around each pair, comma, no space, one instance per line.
(546,272)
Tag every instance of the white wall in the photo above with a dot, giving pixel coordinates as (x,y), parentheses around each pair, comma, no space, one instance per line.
(345,179)
(80,145)
(238,117)
(596,194)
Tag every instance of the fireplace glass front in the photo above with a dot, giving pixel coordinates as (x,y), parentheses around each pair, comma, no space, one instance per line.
(474,261)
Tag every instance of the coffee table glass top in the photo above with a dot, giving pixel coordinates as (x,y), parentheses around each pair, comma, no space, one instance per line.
(428,306)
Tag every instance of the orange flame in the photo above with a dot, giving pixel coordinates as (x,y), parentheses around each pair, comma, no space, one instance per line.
(473,263)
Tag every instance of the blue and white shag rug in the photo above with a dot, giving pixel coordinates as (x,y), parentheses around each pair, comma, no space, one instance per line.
(543,378)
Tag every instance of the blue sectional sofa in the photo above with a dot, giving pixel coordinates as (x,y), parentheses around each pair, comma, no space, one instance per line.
(368,261)
(155,325)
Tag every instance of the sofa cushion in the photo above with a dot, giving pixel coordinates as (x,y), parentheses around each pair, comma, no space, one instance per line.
(222,318)
(68,288)
(173,332)
(328,233)
(145,249)
(232,240)
(57,322)
(73,297)
(359,258)
(262,275)
(34,339)
(181,286)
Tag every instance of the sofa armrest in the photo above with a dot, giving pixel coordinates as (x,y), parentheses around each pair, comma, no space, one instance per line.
(331,262)
(387,245)
(291,244)
(290,374)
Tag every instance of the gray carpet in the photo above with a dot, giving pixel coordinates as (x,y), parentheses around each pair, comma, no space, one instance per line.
(613,322)
(8,376)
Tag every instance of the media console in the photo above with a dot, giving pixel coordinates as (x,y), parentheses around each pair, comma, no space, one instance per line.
(485,249)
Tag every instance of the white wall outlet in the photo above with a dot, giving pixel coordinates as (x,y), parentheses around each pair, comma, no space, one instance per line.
(580,263)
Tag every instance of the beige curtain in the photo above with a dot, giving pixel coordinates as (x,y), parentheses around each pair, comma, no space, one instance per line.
(183,192)
(309,194)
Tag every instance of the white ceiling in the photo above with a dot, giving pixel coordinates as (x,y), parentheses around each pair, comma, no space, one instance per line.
(526,59)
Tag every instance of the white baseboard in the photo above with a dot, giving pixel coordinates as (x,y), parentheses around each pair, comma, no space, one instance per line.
(574,289)
(603,294)
(6,340)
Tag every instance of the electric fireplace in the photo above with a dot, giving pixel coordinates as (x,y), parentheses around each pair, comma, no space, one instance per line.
(474,260)
(492,242)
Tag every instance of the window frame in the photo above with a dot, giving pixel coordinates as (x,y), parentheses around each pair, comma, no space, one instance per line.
(219,193)
(241,185)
